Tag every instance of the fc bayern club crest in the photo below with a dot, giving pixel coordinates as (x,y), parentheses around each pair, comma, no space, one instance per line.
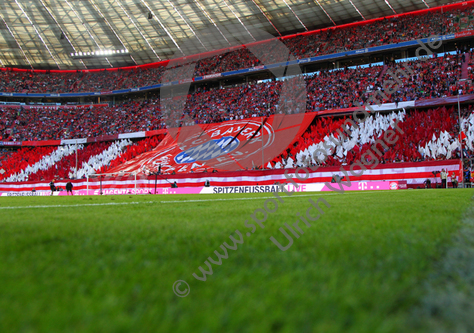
(227,144)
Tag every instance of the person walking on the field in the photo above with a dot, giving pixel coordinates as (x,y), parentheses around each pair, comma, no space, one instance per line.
(52,187)
(69,187)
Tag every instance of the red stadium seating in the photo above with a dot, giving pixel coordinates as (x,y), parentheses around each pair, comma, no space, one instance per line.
(13,163)
(418,129)
(327,41)
(327,90)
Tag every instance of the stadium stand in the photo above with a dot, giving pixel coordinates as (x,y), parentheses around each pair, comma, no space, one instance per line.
(436,77)
(63,168)
(35,124)
(327,41)
(427,135)
(131,152)
(43,163)
(14,162)
(4,154)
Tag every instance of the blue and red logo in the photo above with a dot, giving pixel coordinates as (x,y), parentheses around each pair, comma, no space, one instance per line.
(208,150)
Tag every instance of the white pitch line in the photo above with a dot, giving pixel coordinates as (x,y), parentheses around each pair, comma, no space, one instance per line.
(80,205)
(182,201)
(147,202)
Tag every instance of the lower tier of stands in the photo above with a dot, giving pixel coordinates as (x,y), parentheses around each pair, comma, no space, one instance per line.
(422,136)
(48,163)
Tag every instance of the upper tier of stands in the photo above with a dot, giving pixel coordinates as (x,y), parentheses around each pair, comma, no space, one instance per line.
(327,41)
(436,77)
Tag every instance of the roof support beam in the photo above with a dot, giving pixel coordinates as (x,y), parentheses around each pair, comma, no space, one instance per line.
(83,23)
(388,4)
(261,10)
(138,29)
(62,31)
(239,20)
(357,9)
(162,26)
(211,20)
(85,27)
(109,25)
(186,22)
(291,9)
(324,10)
(39,35)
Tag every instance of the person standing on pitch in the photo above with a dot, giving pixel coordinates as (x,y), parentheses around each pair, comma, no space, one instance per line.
(443,178)
(52,187)
(454,180)
(69,188)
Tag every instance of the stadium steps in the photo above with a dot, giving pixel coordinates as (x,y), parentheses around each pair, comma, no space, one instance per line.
(465,65)
(120,81)
(382,72)
(123,82)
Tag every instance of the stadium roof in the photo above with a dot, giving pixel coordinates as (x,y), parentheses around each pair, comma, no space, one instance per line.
(42,34)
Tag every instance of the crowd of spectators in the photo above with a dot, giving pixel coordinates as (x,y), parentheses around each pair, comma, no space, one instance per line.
(13,162)
(430,79)
(381,32)
(326,90)
(63,168)
(424,135)
(4,154)
(435,128)
(132,151)
(35,124)
(79,81)
(225,62)
(327,41)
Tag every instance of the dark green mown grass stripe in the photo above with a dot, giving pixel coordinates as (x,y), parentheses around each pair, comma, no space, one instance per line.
(111,268)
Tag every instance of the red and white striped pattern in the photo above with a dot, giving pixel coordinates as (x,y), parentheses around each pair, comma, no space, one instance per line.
(414,173)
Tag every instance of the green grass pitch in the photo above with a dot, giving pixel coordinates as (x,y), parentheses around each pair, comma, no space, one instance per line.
(82,267)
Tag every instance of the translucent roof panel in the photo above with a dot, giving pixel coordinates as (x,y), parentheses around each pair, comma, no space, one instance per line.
(42,34)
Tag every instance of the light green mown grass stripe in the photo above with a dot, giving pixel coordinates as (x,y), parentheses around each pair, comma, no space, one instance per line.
(449,302)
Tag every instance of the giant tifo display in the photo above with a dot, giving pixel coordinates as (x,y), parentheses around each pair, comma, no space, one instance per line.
(231,145)
(415,155)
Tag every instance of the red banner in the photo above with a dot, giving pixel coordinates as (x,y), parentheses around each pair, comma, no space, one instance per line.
(413,173)
(226,146)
